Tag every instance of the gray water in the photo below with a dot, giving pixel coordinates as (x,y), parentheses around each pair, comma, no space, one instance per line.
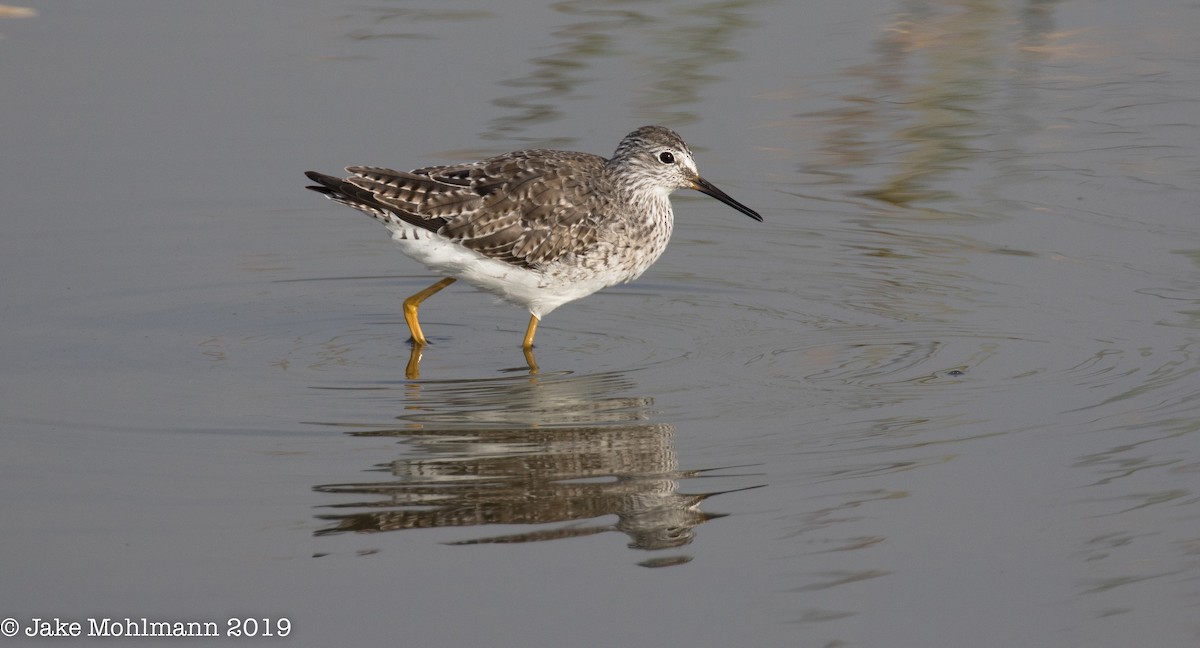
(945,395)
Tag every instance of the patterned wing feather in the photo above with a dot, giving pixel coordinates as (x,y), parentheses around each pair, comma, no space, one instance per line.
(528,208)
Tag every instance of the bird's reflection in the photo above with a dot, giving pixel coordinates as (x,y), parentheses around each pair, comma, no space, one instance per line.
(556,454)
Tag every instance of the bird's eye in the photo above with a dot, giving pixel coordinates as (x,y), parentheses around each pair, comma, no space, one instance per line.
(666,157)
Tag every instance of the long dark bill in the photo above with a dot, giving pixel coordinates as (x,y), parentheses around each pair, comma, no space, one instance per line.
(707,188)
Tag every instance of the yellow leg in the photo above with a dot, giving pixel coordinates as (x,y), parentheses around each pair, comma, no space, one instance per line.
(413,303)
(531,361)
(528,343)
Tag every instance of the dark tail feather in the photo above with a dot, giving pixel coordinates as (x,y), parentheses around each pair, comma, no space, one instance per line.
(334,188)
(338,190)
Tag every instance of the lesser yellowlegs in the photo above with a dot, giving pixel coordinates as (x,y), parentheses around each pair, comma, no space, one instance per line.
(539,228)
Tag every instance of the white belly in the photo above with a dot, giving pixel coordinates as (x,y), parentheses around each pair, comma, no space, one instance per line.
(536,291)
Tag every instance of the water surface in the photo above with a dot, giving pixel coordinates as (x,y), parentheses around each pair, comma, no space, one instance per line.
(944,395)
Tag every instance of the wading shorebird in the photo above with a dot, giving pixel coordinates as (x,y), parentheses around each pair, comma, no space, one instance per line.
(539,228)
